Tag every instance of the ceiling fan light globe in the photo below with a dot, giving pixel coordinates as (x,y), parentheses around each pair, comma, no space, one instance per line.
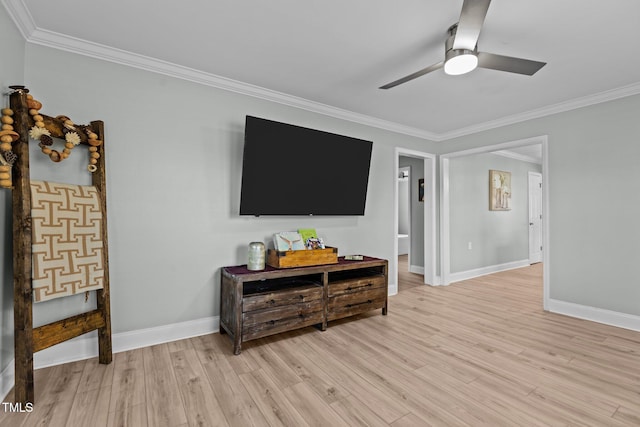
(460,62)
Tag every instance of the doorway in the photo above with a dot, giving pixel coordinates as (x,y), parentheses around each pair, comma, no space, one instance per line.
(404,213)
(445,231)
(422,239)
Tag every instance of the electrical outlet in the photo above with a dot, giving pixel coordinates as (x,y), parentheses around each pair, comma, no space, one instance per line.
(470,246)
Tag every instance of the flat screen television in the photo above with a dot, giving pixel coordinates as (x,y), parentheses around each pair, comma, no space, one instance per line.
(292,170)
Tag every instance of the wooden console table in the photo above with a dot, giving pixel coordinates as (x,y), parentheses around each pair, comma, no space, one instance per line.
(255,304)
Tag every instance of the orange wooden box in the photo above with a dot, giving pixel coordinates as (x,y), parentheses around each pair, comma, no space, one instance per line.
(302,258)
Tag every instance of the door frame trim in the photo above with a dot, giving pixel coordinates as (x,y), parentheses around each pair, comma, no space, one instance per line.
(445,245)
(529,175)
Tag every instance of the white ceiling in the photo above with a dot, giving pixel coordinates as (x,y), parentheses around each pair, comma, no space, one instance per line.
(332,55)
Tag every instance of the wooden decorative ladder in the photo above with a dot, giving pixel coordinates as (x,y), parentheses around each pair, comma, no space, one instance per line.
(29,340)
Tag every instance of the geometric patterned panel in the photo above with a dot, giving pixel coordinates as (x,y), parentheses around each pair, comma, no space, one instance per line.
(67,244)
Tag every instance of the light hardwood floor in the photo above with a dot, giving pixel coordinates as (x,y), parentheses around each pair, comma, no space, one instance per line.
(479,352)
(407,280)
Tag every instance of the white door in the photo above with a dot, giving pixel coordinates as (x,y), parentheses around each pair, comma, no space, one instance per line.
(535,217)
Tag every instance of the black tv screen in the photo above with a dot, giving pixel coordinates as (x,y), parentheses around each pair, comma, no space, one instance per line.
(292,170)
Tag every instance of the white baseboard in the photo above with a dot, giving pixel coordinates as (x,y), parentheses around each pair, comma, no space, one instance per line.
(86,347)
(594,314)
(178,331)
(416,269)
(470,274)
(393,289)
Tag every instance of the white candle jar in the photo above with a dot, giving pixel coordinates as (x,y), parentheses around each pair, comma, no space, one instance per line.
(256,256)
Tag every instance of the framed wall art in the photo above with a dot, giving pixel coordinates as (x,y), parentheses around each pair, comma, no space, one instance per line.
(499,190)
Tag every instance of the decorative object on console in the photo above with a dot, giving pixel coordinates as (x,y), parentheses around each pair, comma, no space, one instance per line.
(291,259)
(288,241)
(307,233)
(314,243)
(499,190)
(256,258)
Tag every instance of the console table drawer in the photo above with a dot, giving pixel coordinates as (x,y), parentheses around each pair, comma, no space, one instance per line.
(357,285)
(257,324)
(281,298)
(349,304)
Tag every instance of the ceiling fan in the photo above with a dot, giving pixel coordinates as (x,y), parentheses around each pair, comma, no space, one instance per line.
(461,49)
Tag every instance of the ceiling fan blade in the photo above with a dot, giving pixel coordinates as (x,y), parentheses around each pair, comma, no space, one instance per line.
(509,63)
(413,76)
(470,23)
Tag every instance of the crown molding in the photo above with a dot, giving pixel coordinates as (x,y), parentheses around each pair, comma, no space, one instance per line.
(517,156)
(122,57)
(32,34)
(585,101)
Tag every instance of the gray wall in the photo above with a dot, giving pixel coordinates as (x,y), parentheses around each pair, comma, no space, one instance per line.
(11,73)
(416,254)
(497,237)
(174,154)
(594,182)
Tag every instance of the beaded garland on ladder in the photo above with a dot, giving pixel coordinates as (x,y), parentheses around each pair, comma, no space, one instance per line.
(7,137)
(40,133)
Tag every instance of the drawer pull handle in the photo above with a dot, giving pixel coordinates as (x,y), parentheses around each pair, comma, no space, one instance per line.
(368,285)
(359,303)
